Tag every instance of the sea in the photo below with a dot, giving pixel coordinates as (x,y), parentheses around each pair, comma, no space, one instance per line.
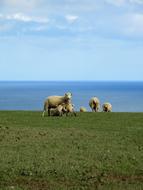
(29,95)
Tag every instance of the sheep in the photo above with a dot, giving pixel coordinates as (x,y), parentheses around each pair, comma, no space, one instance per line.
(69,107)
(107,107)
(54,101)
(94,103)
(83,109)
(58,111)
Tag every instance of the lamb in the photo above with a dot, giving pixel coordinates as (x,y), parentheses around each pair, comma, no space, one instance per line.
(54,101)
(94,103)
(69,107)
(83,109)
(58,111)
(107,107)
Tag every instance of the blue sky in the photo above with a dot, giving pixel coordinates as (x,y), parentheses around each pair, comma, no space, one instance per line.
(71,40)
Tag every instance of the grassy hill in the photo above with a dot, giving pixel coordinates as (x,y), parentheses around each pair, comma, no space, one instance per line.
(91,151)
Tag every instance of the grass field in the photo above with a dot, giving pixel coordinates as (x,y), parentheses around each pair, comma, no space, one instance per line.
(91,151)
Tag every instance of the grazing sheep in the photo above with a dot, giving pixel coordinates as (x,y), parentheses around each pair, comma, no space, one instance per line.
(58,111)
(69,109)
(94,103)
(83,109)
(107,107)
(54,101)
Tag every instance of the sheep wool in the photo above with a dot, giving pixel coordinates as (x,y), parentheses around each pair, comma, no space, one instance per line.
(69,107)
(107,107)
(94,104)
(83,109)
(57,111)
(54,101)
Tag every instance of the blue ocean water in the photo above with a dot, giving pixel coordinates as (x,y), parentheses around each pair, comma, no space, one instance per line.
(124,96)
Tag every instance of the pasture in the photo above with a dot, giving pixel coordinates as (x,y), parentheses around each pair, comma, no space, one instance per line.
(101,151)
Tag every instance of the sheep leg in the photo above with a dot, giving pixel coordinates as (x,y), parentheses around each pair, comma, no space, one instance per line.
(95,106)
(74,113)
(93,109)
(45,108)
(43,114)
(61,114)
(49,112)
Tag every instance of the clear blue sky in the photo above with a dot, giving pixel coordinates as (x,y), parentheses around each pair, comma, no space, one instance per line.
(71,40)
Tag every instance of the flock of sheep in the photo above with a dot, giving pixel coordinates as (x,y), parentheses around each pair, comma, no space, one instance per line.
(60,105)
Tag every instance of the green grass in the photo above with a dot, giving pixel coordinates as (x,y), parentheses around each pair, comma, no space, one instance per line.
(101,151)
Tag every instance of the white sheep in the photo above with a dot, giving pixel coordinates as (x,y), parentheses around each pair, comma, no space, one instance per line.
(94,103)
(58,111)
(83,109)
(69,107)
(107,107)
(54,101)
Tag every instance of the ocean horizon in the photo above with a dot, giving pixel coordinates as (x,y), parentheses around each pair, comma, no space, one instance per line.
(125,96)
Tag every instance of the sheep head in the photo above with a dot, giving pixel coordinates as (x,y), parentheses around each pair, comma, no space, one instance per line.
(68,96)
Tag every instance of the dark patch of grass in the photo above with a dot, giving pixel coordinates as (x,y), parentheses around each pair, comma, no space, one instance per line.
(90,151)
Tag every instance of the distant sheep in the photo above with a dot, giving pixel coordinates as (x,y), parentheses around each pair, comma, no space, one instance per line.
(94,103)
(83,109)
(107,107)
(54,101)
(58,111)
(69,107)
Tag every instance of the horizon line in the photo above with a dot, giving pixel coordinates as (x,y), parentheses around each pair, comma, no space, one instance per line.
(71,80)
